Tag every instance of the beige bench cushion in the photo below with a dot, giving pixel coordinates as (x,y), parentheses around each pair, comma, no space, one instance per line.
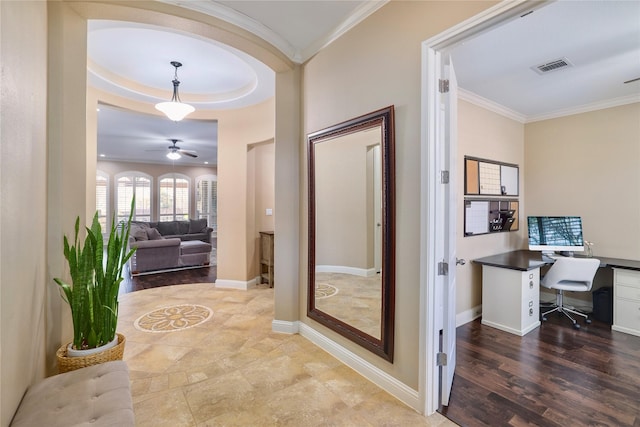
(98,395)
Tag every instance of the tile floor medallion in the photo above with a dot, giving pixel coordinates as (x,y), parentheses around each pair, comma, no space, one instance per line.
(324,290)
(173,318)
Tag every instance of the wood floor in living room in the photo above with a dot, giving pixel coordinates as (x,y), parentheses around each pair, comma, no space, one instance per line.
(553,376)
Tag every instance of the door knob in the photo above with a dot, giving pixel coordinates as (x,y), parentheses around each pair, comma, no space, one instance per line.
(460,261)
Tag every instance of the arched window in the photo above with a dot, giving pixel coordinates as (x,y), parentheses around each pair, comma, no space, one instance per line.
(173,193)
(207,199)
(102,199)
(128,184)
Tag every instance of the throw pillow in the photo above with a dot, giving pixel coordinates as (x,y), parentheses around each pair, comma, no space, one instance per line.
(168,228)
(197,225)
(139,233)
(154,234)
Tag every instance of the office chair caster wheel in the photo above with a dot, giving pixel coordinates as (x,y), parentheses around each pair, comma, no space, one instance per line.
(587,321)
(576,326)
(544,318)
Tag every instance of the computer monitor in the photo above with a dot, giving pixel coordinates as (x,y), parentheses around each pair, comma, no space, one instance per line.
(551,234)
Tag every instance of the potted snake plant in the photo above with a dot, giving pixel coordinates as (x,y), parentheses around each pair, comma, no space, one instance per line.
(92,296)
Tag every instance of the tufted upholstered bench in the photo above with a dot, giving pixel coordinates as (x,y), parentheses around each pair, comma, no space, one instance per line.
(98,395)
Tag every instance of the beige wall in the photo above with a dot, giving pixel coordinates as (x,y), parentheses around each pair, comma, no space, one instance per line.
(23,210)
(260,197)
(235,241)
(374,65)
(589,165)
(487,135)
(343,201)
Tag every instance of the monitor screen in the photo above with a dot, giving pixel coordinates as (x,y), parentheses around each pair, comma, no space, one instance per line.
(555,233)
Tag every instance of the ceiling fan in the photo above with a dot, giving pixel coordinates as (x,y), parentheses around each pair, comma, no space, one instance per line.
(175,151)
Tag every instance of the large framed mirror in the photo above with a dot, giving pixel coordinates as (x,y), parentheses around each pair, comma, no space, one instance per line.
(351,230)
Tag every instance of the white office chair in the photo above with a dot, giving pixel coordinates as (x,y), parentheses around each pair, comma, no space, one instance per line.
(570,274)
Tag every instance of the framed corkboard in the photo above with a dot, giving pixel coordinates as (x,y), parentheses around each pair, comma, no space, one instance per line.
(490,177)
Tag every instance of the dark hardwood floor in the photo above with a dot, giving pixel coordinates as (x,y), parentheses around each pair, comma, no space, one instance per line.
(181,277)
(553,376)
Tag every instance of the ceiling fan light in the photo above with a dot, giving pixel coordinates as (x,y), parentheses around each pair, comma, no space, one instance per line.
(175,111)
(173,155)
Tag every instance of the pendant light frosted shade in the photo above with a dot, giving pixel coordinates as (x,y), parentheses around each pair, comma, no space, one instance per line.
(175,109)
(173,155)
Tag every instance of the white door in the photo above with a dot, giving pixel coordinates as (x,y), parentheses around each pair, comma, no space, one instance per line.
(448,142)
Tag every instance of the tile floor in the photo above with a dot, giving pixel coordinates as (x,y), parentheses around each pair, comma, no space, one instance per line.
(232,370)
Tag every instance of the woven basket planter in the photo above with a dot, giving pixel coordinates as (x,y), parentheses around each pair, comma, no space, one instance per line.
(66,363)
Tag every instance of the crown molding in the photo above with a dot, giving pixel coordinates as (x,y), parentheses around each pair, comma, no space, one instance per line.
(243,21)
(471,97)
(240,20)
(594,106)
(487,104)
(360,14)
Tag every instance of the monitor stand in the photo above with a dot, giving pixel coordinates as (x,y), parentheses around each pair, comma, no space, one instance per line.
(549,254)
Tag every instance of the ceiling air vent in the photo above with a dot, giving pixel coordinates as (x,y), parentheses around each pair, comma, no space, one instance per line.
(552,66)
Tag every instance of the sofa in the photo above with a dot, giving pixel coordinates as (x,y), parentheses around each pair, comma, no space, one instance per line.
(168,245)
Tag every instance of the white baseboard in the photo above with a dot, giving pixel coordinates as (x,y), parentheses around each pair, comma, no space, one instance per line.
(285,327)
(469,315)
(354,271)
(383,380)
(236,284)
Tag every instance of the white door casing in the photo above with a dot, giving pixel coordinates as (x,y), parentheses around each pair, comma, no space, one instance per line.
(431,295)
(450,120)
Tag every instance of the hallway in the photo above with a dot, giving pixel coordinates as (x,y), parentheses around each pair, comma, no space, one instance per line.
(224,366)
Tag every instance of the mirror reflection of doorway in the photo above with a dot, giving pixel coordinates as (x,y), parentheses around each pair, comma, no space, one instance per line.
(377,207)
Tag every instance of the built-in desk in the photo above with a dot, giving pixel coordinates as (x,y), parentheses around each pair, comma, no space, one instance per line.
(510,291)
(511,296)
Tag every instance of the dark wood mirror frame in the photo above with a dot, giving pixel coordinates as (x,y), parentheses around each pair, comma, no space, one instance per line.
(384,118)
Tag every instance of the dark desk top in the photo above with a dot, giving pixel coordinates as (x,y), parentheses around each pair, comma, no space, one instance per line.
(522,260)
(525,260)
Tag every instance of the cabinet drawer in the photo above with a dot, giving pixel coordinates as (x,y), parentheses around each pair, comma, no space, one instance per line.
(627,277)
(627,314)
(628,292)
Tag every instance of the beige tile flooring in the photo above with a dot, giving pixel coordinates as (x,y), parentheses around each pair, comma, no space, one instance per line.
(232,370)
(355,300)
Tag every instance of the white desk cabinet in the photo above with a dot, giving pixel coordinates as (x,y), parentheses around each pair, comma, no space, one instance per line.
(626,301)
(511,299)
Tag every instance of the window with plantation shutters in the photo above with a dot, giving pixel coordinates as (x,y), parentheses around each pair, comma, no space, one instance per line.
(207,199)
(128,184)
(102,199)
(173,194)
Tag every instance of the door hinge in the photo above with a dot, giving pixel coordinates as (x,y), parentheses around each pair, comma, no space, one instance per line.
(443,86)
(444,177)
(443,268)
(441,359)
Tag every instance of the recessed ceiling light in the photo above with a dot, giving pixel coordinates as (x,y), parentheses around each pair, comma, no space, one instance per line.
(103,155)
(206,163)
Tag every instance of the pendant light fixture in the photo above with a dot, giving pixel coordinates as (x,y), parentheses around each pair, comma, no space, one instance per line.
(175,109)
